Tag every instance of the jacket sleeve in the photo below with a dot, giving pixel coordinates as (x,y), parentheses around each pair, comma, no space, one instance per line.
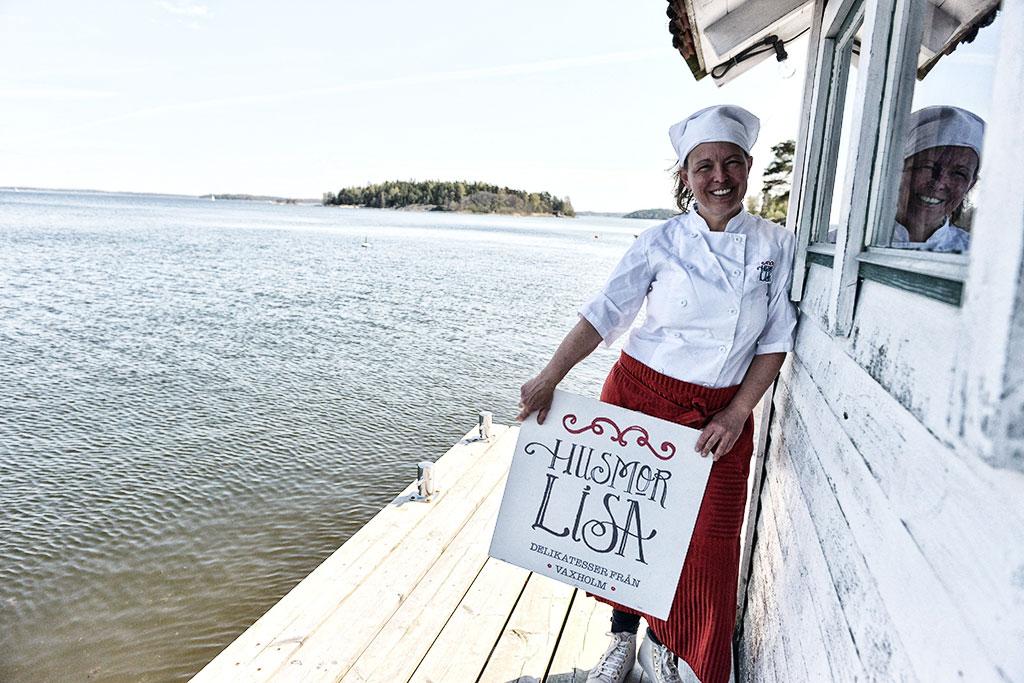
(612,310)
(778,333)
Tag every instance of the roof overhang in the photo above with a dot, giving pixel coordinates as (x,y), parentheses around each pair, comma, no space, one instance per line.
(711,34)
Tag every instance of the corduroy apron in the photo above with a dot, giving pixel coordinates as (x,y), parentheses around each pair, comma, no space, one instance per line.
(700,625)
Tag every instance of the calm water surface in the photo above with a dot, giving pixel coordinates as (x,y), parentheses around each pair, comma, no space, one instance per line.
(200,401)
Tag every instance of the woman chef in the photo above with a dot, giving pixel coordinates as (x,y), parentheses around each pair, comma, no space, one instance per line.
(941,160)
(719,323)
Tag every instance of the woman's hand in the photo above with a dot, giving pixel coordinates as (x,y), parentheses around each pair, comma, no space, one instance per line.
(536,395)
(721,433)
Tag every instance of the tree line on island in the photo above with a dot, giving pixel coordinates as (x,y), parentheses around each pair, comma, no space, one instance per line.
(439,195)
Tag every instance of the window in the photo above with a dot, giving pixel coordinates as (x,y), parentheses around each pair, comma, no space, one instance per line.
(836,175)
(920,238)
(879,197)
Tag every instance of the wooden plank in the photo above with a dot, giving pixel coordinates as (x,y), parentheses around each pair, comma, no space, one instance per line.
(908,346)
(527,644)
(885,558)
(993,331)
(461,649)
(330,650)
(940,289)
(900,70)
(760,634)
(820,258)
(871,71)
(880,649)
(963,515)
(807,158)
(762,414)
(791,579)
(279,632)
(780,648)
(397,649)
(820,621)
(584,639)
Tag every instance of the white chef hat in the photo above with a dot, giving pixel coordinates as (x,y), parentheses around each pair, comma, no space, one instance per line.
(944,126)
(721,123)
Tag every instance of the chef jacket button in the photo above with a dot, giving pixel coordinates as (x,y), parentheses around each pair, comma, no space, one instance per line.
(722,349)
(689,266)
(683,303)
(737,238)
(736,272)
(679,335)
(693,234)
(732,311)
(706,384)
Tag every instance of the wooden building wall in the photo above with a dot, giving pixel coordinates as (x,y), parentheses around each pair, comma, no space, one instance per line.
(882,552)
(889,541)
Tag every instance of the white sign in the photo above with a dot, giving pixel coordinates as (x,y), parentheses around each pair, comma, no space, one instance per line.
(605,499)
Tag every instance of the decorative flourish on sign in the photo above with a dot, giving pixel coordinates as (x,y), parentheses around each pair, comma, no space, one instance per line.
(619,437)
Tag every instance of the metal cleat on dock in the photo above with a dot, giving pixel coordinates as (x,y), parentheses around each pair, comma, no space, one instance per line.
(425,483)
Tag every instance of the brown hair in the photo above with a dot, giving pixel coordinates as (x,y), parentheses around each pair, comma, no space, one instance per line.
(683,194)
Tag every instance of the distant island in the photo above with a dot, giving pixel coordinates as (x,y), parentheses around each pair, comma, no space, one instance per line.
(258,198)
(436,195)
(658,214)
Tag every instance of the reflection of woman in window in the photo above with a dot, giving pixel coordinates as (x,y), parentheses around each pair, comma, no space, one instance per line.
(942,157)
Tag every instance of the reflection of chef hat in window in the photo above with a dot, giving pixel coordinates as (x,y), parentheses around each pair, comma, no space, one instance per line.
(944,126)
(721,123)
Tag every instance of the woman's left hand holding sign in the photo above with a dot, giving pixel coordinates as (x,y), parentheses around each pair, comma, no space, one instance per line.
(536,395)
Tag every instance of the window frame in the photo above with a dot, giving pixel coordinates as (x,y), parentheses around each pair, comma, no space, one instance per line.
(840,47)
(887,70)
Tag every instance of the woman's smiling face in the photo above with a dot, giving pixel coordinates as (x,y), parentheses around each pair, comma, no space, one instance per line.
(934,183)
(716,173)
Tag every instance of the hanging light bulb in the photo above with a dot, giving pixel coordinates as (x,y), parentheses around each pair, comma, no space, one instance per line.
(786,69)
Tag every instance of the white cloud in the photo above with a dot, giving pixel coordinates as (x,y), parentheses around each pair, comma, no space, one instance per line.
(52,94)
(401,81)
(184,7)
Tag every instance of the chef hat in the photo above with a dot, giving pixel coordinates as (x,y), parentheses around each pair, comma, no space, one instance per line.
(721,123)
(944,126)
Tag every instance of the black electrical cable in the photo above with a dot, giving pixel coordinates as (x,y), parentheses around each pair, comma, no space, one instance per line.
(770,43)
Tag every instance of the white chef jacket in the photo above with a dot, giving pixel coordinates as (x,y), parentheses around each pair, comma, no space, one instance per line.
(947,238)
(714,299)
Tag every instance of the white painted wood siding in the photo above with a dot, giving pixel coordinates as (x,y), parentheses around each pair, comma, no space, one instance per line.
(882,554)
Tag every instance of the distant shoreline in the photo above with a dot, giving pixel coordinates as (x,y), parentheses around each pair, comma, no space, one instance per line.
(431,208)
(291,201)
(220,196)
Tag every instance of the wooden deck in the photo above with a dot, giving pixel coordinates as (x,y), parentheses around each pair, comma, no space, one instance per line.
(413,596)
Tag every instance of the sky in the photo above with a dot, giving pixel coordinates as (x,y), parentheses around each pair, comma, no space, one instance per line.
(295,99)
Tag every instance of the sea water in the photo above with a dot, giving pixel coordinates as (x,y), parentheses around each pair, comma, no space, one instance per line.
(200,401)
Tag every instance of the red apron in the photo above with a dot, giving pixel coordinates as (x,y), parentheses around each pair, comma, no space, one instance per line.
(700,626)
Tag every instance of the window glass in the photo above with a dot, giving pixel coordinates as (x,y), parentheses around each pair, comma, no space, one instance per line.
(942,162)
(834,178)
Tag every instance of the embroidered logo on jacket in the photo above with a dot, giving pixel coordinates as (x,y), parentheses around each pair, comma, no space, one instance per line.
(765,271)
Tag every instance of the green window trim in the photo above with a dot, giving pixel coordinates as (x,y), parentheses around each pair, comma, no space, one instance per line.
(819,258)
(931,286)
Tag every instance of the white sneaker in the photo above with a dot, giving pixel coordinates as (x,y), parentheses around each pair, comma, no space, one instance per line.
(617,661)
(659,664)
